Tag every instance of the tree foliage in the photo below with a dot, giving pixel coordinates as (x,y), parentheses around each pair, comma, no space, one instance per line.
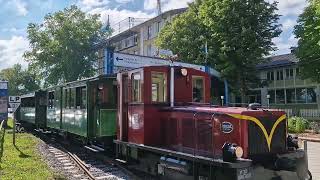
(238,35)
(20,81)
(61,47)
(308,33)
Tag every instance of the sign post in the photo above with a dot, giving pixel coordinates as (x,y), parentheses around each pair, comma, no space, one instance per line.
(14,102)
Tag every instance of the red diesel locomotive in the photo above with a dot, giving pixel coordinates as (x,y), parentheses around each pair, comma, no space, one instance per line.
(166,127)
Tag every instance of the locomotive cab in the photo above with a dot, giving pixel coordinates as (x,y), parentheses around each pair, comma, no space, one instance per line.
(144,92)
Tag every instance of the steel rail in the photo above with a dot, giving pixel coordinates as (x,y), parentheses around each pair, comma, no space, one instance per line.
(78,161)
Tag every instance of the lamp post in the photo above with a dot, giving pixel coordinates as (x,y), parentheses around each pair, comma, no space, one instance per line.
(268,97)
(222,98)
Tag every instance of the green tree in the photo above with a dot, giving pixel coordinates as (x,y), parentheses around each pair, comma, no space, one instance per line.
(61,47)
(20,81)
(186,36)
(238,35)
(308,33)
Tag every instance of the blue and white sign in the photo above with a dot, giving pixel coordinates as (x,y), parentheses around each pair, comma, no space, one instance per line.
(226,127)
(3,100)
(115,62)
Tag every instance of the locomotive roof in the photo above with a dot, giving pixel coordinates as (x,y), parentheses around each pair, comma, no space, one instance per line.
(154,66)
(83,80)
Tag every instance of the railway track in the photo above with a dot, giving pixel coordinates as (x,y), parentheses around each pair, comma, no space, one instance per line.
(82,165)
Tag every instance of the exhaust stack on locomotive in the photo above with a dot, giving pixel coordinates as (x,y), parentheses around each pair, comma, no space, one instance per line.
(193,139)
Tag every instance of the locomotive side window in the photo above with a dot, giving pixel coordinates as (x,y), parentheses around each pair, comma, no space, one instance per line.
(136,87)
(197,89)
(159,87)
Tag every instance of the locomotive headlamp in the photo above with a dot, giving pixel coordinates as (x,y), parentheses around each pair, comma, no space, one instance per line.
(184,72)
(239,152)
(230,152)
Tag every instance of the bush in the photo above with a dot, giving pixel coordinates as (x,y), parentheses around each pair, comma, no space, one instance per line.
(297,124)
(315,126)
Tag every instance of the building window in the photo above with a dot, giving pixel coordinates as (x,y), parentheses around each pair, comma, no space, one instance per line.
(297,72)
(135,39)
(289,73)
(254,97)
(136,87)
(158,26)
(280,97)
(270,76)
(291,96)
(197,89)
(149,32)
(271,93)
(149,50)
(279,75)
(311,95)
(301,95)
(158,87)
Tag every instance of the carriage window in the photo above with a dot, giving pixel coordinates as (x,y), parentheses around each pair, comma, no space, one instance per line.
(197,89)
(66,98)
(72,97)
(158,87)
(81,97)
(51,100)
(136,87)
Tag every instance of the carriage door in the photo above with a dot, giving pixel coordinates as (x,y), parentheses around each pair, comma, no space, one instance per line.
(124,107)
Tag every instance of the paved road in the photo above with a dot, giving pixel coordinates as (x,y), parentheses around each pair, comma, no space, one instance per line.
(314,159)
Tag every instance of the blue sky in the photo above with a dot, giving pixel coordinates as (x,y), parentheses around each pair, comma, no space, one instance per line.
(16,14)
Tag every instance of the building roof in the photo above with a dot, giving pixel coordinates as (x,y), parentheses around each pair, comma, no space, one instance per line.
(279,61)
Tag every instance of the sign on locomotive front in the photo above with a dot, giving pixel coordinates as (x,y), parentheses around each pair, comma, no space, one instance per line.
(3,100)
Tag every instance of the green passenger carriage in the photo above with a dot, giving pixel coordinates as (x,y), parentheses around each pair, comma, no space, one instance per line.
(86,109)
(33,109)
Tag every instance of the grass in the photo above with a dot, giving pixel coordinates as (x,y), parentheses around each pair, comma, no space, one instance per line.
(22,161)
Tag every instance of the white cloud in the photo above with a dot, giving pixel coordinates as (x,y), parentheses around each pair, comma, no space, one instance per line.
(11,51)
(117,15)
(14,30)
(20,7)
(288,24)
(90,4)
(123,1)
(284,44)
(290,7)
(166,4)
(149,4)
(174,4)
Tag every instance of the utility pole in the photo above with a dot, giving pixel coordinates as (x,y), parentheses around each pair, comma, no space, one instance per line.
(159,7)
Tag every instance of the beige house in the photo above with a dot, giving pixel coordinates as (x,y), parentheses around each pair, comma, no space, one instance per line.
(284,89)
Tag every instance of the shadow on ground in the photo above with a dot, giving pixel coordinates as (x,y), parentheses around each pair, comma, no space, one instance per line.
(22,154)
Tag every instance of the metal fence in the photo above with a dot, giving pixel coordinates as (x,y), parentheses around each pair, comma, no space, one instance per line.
(311,114)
